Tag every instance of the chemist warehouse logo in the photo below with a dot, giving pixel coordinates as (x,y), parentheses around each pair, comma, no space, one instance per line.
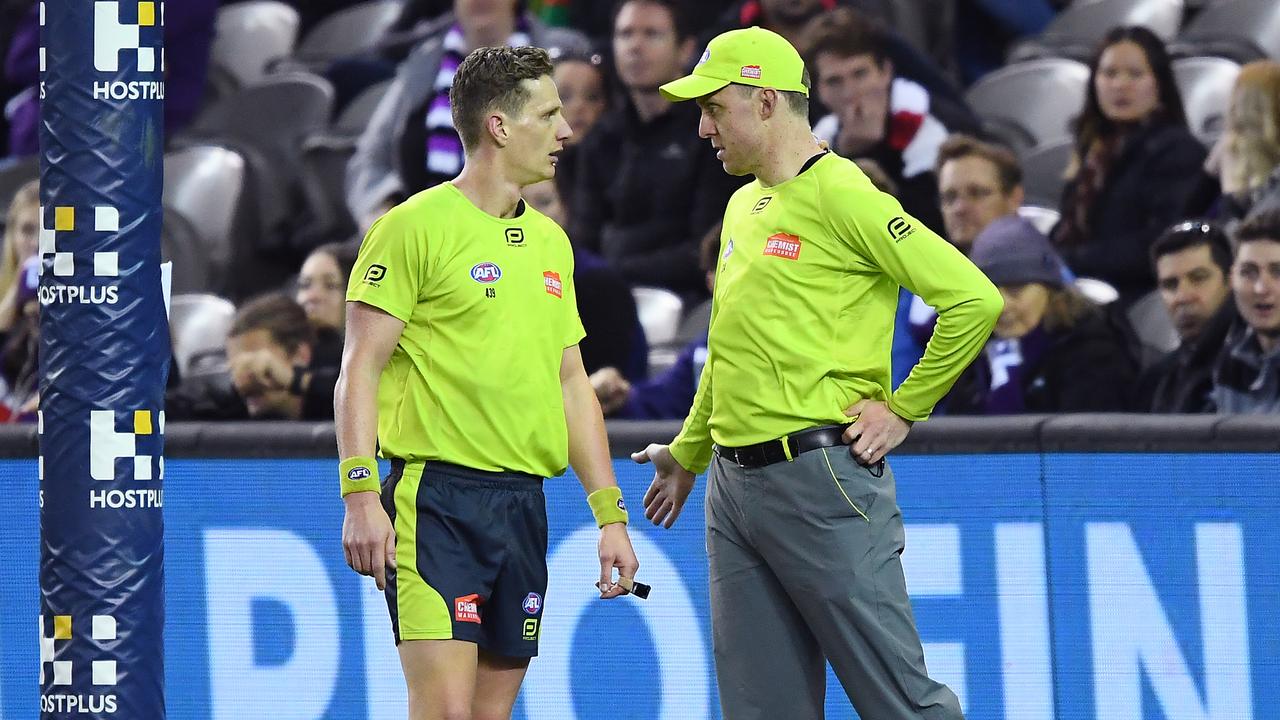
(109,446)
(55,242)
(56,676)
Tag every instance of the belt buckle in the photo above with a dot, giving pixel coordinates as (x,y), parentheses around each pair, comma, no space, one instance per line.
(737,457)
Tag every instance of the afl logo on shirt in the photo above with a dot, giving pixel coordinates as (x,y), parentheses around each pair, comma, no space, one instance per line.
(486,273)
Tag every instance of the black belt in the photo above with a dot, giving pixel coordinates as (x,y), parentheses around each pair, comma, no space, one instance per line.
(773,451)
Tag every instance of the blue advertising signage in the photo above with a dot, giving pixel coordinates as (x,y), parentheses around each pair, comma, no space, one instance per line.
(1073,587)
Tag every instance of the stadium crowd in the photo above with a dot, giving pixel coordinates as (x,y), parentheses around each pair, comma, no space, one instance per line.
(1140,271)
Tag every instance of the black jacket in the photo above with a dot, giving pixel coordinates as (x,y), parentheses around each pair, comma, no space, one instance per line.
(1086,368)
(1143,194)
(1182,381)
(645,195)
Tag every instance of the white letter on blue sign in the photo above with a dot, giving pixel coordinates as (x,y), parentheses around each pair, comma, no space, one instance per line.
(932,568)
(1023,595)
(242,565)
(1132,633)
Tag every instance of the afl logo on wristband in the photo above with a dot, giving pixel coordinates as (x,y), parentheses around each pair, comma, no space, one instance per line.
(622,505)
(532,603)
(485,273)
(358,473)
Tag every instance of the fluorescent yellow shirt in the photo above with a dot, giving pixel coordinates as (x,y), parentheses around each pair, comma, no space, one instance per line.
(802,318)
(489,307)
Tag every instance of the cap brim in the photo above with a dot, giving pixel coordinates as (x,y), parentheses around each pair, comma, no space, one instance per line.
(691,87)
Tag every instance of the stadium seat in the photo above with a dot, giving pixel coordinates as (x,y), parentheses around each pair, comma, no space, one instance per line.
(205,183)
(274,115)
(355,117)
(198,325)
(1205,84)
(348,32)
(1155,330)
(1076,31)
(267,124)
(1042,217)
(181,245)
(1042,173)
(1037,99)
(1243,30)
(659,312)
(250,36)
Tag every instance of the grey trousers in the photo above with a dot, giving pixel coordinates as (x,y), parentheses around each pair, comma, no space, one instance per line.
(804,565)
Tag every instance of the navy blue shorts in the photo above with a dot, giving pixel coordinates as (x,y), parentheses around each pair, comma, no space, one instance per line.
(471,556)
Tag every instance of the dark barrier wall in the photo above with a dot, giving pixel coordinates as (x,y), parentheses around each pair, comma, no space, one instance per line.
(103,362)
(1049,582)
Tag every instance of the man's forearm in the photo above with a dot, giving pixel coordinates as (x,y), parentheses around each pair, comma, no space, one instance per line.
(355,411)
(588,441)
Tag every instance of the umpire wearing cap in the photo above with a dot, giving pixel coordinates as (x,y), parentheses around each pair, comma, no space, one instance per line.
(804,532)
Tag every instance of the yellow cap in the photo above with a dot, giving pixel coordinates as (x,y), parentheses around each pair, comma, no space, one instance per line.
(753,56)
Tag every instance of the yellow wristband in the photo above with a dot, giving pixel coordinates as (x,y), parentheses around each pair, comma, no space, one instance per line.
(608,506)
(359,474)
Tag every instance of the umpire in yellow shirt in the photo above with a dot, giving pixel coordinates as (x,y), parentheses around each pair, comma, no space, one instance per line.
(804,532)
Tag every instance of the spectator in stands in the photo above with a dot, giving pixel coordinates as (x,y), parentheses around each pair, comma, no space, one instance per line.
(977,183)
(19,308)
(1135,163)
(584,92)
(875,114)
(270,353)
(1244,166)
(1052,349)
(669,395)
(1192,262)
(322,293)
(410,143)
(188,38)
(648,187)
(606,306)
(1246,378)
(791,19)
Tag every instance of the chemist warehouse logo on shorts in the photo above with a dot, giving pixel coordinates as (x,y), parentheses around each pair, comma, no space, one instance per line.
(467,608)
(67,235)
(58,675)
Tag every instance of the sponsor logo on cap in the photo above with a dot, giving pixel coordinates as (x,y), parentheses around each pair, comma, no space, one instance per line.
(706,55)
(551,280)
(467,609)
(783,245)
(486,273)
(532,603)
(751,71)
